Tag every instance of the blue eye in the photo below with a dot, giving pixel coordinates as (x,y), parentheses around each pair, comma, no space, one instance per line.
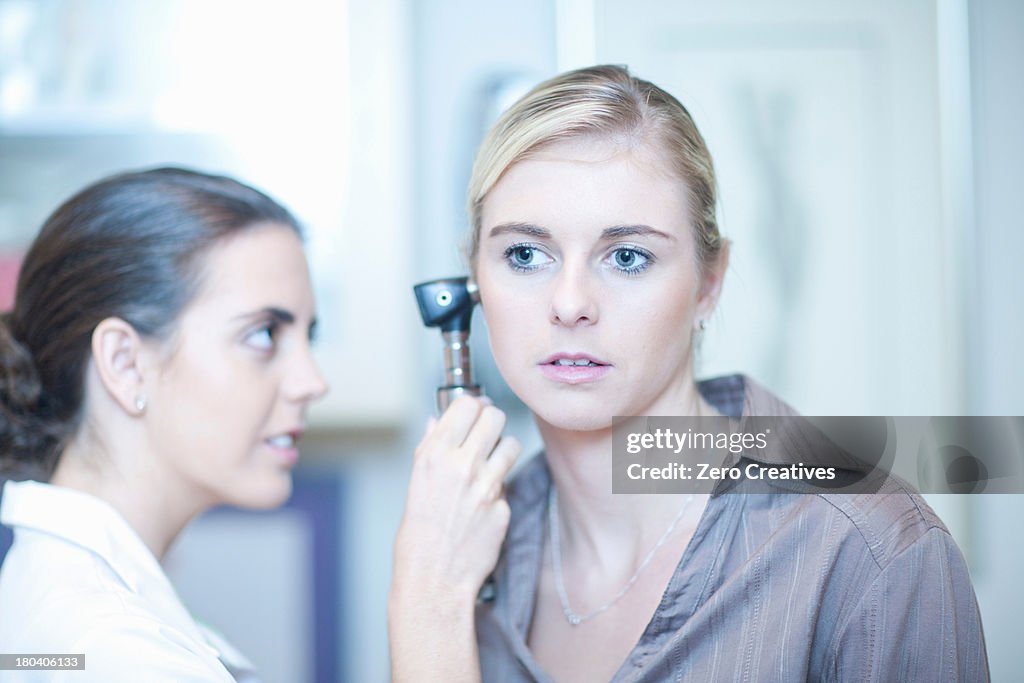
(631,260)
(525,257)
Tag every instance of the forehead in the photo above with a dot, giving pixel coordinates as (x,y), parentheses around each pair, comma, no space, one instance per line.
(589,181)
(260,266)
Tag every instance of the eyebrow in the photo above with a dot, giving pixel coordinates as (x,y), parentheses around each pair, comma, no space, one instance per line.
(281,316)
(618,231)
(522,229)
(614,232)
(278,314)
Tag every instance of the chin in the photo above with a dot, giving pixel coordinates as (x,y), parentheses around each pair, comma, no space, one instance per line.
(267,496)
(577,413)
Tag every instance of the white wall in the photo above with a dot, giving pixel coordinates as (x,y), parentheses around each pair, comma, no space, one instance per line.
(996,362)
(997,56)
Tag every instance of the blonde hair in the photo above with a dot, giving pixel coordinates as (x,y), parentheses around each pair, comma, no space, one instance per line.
(603,101)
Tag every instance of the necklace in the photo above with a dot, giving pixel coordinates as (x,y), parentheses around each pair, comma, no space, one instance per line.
(556,559)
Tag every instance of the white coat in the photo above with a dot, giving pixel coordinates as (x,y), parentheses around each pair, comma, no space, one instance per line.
(79,580)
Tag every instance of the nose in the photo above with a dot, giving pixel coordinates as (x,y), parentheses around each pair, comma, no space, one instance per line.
(306,382)
(573,296)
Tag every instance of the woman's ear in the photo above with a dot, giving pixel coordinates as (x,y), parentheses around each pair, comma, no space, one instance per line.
(117,353)
(711,286)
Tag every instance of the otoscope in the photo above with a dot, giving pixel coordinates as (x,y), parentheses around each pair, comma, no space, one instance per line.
(448,303)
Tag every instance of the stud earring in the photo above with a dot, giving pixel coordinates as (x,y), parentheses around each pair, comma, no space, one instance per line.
(140,402)
(703,324)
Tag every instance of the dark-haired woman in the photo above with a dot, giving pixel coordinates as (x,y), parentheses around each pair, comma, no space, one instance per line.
(157,363)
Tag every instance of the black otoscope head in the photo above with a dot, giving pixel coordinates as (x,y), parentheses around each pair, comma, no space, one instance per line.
(446,303)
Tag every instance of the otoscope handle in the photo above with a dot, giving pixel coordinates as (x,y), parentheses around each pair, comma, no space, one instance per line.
(446,395)
(458,371)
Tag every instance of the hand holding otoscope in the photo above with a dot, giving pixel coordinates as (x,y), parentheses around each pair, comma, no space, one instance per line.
(456,514)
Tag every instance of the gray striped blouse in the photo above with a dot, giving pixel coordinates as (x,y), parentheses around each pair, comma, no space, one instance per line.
(772,587)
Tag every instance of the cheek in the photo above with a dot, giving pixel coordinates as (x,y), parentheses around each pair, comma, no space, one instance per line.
(204,385)
(217,404)
(513,317)
(670,332)
(651,322)
(663,307)
(503,318)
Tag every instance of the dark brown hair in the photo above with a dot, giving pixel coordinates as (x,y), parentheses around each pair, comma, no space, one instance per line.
(129,247)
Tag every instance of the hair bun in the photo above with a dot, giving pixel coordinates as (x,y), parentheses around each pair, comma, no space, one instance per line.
(19,381)
(24,436)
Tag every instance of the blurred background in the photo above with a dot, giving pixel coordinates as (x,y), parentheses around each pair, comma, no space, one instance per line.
(869,156)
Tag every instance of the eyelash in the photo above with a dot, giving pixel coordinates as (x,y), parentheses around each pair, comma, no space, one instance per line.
(518,267)
(629,272)
(635,270)
(271,327)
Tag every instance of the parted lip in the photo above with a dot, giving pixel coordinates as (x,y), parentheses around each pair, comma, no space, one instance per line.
(572,356)
(296,434)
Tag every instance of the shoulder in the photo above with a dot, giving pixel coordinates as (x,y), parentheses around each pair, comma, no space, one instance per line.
(58,597)
(859,536)
(915,610)
(883,513)
(52,590)
(889,521)
(873,526)
(119,646)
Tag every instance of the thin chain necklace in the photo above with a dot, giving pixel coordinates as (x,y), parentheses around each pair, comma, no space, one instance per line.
(556,559)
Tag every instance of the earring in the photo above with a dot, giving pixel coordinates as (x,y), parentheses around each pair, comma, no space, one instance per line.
(140,402)
(703,324)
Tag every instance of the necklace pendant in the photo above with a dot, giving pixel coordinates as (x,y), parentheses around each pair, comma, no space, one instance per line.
(573,619)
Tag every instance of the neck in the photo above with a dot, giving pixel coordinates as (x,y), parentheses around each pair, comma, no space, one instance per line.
(612,529)
(140,494)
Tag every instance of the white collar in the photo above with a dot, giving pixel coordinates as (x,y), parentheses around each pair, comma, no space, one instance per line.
(94,525)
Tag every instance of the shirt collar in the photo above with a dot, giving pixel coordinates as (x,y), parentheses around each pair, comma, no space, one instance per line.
(795,440)
(739,396)
(95,526)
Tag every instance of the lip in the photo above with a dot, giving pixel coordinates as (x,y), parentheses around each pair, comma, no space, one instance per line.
(574,374)
(288,455)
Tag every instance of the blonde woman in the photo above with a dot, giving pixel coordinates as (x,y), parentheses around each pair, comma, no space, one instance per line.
(599,260)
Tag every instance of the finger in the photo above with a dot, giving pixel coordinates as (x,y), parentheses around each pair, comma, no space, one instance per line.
(456,422)
(493,472)
(502,512)
(484,435)
(425,444)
